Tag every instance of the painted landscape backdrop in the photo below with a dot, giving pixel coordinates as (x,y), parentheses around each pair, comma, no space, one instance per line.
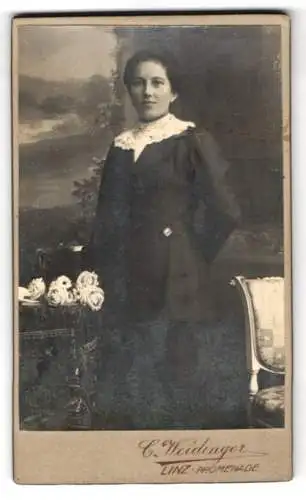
(72,102)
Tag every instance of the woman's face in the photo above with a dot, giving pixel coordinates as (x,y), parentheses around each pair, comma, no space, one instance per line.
(150,91)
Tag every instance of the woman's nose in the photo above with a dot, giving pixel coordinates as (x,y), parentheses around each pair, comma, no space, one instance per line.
(148,89)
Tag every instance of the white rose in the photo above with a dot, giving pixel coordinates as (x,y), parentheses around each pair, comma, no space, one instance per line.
(36,288)
(76,294)
(57,296)
(52,285)
(70,298)
(93,297)
(23,293)
(82,294)
(86,279)
(63,281)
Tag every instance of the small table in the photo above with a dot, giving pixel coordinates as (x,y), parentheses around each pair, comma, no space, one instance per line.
(57,367)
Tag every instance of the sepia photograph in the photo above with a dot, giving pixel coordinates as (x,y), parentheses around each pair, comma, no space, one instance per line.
(150,247)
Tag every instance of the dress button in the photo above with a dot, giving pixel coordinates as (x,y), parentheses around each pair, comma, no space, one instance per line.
(167,231)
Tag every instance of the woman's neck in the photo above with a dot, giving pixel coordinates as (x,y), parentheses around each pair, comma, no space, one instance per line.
(144,123)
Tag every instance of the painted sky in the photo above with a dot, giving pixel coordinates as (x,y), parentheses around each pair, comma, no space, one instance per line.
(63,52)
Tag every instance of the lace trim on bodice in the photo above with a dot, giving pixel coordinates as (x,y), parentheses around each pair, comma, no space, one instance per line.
(139,137)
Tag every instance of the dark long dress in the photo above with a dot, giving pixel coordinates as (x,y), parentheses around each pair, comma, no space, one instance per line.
(169,358)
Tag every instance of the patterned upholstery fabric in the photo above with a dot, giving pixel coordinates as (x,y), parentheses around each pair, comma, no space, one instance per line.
(268,301)
(269,406)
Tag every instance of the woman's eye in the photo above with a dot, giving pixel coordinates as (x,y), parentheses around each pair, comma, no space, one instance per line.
(154,83)
(157,83)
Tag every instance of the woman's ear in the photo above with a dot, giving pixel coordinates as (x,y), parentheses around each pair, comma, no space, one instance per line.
(174,97)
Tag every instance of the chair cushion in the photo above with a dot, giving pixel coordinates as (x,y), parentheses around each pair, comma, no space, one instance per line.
(270,355)
(269,406)
(267,295)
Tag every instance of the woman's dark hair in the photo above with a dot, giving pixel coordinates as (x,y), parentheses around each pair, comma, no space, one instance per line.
(165,59)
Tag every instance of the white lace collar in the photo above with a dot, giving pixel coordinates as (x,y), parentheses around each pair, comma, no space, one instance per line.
(141,135)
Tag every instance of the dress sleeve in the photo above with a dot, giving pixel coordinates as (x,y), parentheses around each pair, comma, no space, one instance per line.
(215,211)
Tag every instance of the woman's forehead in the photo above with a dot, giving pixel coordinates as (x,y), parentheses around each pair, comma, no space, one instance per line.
(150,69)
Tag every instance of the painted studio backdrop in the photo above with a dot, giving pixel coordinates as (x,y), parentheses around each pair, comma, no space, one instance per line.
(72,102)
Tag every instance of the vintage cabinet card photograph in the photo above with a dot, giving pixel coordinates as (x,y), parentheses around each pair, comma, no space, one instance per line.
(152,249)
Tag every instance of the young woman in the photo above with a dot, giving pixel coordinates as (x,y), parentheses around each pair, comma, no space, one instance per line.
(164,211)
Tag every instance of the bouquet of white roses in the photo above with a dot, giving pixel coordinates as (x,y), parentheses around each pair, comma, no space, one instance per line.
(62,292)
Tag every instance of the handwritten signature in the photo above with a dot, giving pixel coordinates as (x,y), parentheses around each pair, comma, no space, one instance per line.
(177,457)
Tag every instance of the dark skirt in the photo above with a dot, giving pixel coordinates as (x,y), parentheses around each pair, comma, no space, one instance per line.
(164,374)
